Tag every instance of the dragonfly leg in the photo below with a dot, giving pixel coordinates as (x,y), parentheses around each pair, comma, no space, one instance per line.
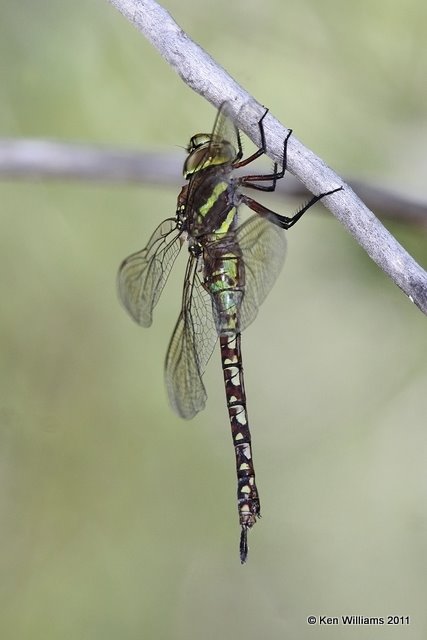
(260,152)
(284,222)
(247,493)
(246,181)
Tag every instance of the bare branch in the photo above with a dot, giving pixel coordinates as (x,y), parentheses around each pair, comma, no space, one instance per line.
(200,72)
(41,159)
(38,159)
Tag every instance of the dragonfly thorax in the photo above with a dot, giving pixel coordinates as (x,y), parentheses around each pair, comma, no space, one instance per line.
(205,151)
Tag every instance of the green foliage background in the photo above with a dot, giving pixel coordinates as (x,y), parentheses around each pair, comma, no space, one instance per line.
(118,520)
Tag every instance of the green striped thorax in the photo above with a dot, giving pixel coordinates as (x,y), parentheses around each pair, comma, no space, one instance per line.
(210,159)
(205,151)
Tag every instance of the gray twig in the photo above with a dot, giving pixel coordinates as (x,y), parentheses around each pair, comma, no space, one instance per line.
(49,159)
(200,72)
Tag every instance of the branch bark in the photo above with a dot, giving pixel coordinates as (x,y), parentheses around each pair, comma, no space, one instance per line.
(49,159)
(200,72)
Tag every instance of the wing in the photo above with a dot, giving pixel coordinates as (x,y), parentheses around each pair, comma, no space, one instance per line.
(224,128)
(263,246)
(191,347)
(143,275)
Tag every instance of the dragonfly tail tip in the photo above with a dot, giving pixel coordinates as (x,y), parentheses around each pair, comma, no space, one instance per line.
(244,545)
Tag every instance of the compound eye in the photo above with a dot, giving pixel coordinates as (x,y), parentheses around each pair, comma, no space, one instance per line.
(198,140)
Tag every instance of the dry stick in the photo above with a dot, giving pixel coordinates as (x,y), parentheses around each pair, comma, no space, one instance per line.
(32,158)
(203,75)
(38,159)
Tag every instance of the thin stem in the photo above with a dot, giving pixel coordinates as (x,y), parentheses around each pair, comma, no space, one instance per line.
(48,159)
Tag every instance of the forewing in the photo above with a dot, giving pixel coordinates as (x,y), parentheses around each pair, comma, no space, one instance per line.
(263,246)
(191,347)
(143,275)
(224,127)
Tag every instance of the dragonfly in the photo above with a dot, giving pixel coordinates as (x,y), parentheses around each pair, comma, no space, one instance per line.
(231,268)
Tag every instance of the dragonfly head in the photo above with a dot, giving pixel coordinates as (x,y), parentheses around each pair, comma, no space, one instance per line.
(205,151)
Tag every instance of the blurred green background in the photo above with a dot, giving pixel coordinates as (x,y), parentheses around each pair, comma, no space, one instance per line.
(117,518)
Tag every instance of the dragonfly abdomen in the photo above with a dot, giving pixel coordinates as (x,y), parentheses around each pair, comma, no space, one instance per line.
(247,493)
(224,280)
